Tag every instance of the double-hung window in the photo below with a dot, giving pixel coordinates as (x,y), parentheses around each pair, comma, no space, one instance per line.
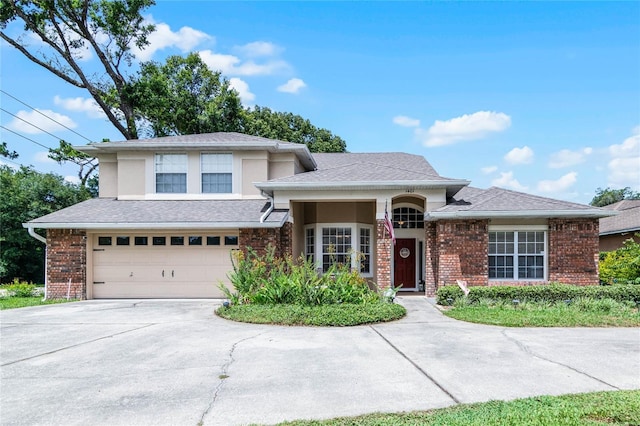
(171,173)
(517,255)
(216,173)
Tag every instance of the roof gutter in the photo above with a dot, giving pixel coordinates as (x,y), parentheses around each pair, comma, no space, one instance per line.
(392,184)
(43,240)
(269,210)
(151,225)
(591,213)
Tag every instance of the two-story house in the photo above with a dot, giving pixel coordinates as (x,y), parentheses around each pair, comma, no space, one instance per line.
(171,210)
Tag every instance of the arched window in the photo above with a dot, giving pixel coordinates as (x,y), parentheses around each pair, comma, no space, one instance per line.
(407,218)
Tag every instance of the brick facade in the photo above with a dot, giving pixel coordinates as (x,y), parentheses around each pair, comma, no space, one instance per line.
(383,256)
(574,251)
(260,238)
(66,259)
(431,259)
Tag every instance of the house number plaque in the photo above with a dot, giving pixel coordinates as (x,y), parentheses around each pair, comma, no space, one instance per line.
(404,252)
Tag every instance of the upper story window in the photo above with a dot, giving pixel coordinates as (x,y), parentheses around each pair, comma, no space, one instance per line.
(171,173)
(216,173)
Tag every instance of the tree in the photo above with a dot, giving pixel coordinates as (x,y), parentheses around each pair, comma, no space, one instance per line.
(607,196)
(86,164)
(73,29)
(26,195)
(289,127)
(183,96)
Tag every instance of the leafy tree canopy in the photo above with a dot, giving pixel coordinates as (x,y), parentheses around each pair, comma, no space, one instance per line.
(607,196)
(26,195)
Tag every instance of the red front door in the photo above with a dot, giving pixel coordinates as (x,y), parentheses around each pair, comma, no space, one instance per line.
(404,263)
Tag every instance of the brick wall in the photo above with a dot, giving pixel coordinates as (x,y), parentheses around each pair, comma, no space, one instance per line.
(259,238)
(383,256)
(462,250)
(573,251)
(286,239)
(431,259)
(66,259)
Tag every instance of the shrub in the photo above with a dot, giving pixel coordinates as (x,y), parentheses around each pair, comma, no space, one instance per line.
(621,266)
(540,293)
(269,280)
(20,289)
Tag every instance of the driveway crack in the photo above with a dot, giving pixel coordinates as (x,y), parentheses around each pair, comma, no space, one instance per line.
(528,351)
(76,345)
(423,372)
(223,376)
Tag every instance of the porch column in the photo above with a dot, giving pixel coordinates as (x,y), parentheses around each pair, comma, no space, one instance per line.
(383,256)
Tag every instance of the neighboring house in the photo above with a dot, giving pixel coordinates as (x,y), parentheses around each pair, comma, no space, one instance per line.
(172,209)
(614,230)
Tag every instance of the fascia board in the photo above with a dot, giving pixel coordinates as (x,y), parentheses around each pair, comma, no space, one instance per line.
(621,231)
(591,213)
(151,225)
(417,184)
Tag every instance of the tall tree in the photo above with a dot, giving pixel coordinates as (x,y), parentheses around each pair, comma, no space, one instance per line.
(26,195)
(73,29)
(183,96)
(607,196)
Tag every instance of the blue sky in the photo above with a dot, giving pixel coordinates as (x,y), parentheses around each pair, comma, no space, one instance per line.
(537,97)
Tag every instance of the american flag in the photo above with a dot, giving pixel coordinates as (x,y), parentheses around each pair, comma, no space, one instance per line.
(388,225)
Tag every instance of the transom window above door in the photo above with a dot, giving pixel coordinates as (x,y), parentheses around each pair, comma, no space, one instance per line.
(407,217)
(171,173)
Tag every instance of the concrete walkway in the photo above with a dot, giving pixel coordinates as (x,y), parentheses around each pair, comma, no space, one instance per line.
(172,362)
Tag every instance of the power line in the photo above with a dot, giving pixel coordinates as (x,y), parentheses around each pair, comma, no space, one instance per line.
(30,124)
(24,137)
(46,116)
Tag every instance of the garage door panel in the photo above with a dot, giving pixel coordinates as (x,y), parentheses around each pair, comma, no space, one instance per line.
(125,290)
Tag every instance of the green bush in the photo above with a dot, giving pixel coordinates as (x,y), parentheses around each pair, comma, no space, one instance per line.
(621,266)
(20,289)
(540,293)
(269,280)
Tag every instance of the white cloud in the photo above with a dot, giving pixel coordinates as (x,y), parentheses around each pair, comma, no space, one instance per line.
(20,124)
(242,88)
(232,65)
(466,127)
(80,104)
(292,86)
(568,158)
(185,39)
(42,157)
(72,179)
(559,185)
(489,169)
(624,166)
(404,121)
(258,48)
(522,155)
(506,180)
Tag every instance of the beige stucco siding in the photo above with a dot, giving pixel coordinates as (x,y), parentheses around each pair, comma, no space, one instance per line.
(132,182)
(108,176)
(282,165)
(253,170)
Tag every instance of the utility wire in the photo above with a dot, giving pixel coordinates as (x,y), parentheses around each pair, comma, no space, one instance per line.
(44,115)
(30,124)
(24,137)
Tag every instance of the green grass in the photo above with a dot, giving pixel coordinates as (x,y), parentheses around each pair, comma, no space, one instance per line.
(579,313)
(590,409)
(324,315)
(22,302)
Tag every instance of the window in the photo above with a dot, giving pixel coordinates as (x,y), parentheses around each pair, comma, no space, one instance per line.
(104,241)
(177,241)
(365,251)
(406,217)
(310,244)
(141,241)
(171,173)
(195,241)
(213,241)
(336,247)
(122,241)
(230,240)
(517,255)
(216,173)
(159,241)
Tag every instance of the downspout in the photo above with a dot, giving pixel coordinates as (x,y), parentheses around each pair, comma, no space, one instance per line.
(42,239)
(269,210)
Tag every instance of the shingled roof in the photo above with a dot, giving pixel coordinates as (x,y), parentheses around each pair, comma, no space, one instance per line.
(101,213)
(498,202)
(627,219)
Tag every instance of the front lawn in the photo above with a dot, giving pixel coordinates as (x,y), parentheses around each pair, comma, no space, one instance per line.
(598,408)
(22,302)
(324,315)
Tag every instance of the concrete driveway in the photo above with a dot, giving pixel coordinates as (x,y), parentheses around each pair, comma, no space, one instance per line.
(173,362)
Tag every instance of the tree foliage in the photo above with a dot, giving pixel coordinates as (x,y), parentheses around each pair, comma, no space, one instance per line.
(71,31)
(607,196)
(26,195)
(622,266)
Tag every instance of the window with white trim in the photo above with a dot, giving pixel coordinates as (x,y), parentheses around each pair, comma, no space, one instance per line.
(336,246)
(310,244)
(517,255)
(171,173)
(364,251)
(347,244)
(216,170)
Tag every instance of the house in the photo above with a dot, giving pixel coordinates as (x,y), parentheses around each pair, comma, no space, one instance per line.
(171,209)
(614,230)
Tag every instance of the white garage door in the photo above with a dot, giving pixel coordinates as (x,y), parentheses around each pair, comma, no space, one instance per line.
(161,265)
